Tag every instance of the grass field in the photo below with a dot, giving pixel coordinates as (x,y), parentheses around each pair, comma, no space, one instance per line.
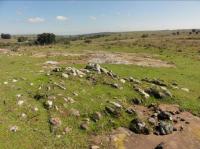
(183,51)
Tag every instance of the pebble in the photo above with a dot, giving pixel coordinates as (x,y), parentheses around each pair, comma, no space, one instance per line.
(20,102)
(14,128)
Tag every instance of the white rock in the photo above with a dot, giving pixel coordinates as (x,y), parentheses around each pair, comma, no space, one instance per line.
(35,109)
(5,83)
(14,80)
(116,105)
(122,81)
(185,89)
(23,115)
(20,102)
(14,128)
(18,95)
(64,75)
(51,62)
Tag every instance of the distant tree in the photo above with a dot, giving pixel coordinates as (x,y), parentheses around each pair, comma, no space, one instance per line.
(177,33)
(45,38)
(87,41)
(144,35)
(190,33)
(5,36)
(173,33)
(22,39)
(193,30)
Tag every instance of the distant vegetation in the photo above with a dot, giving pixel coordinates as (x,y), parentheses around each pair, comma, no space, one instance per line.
(5,36)
(22,39)
(46,38)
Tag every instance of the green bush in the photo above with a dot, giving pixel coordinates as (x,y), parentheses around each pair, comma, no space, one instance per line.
(45,38)
(21,39)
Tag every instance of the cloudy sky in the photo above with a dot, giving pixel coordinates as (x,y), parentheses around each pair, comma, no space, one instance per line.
(78,17)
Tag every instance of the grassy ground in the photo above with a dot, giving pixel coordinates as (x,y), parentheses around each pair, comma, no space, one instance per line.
(35,129)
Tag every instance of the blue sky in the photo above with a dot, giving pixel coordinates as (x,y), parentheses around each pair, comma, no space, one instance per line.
(78,17)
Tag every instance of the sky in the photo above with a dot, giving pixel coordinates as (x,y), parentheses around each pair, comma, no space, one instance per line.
(65,17)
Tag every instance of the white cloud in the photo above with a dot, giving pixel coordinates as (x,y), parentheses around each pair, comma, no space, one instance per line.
(93,18)
(36,20)
(61,18)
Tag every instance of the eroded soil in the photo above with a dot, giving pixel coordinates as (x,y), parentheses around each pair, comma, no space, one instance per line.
(187,138)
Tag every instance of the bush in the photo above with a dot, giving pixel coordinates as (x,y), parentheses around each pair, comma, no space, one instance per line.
(67,42)
(5,36)
(45,38)
(144,35)
(21,39)
(87,41)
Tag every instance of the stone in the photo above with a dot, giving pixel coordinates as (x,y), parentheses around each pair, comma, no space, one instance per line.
(185,89)
(96,116)
(160,146)
(18,95)
(74,112)
(55,121)
(84,126)
(131,79)
(57,69)
(103,70)
(159,93)
(117,105)
(115,85)
(137,101)
(122,81)
(130,110)
(163,115)
(93,67)
(20,102)
(112,111)
(142,92)
(67,130)
(139,127)
(14,128)
(14,80)
(94,147)
(165,128)
(64,75)
(23,115)
(152,121)
(69,99)
(48,104)
(35,109)
(51,62)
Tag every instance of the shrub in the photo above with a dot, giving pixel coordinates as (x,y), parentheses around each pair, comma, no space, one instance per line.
(21,39)
(144,35)
(5,36)
(45,38)
(67,42)
(87,41)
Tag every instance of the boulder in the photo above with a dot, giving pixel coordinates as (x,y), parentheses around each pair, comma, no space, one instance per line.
(48,104)
(137,101)
(55,121)
(96,116)
(139,127)
(164,128)
(113,111)
(163,115)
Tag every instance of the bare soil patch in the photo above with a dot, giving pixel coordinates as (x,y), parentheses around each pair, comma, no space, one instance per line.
(108,58)
(188,138)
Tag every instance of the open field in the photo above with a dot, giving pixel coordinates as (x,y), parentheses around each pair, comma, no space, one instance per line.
(28,83)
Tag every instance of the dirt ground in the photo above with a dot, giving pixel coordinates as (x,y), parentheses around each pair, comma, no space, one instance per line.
(188,138)
(108,58)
